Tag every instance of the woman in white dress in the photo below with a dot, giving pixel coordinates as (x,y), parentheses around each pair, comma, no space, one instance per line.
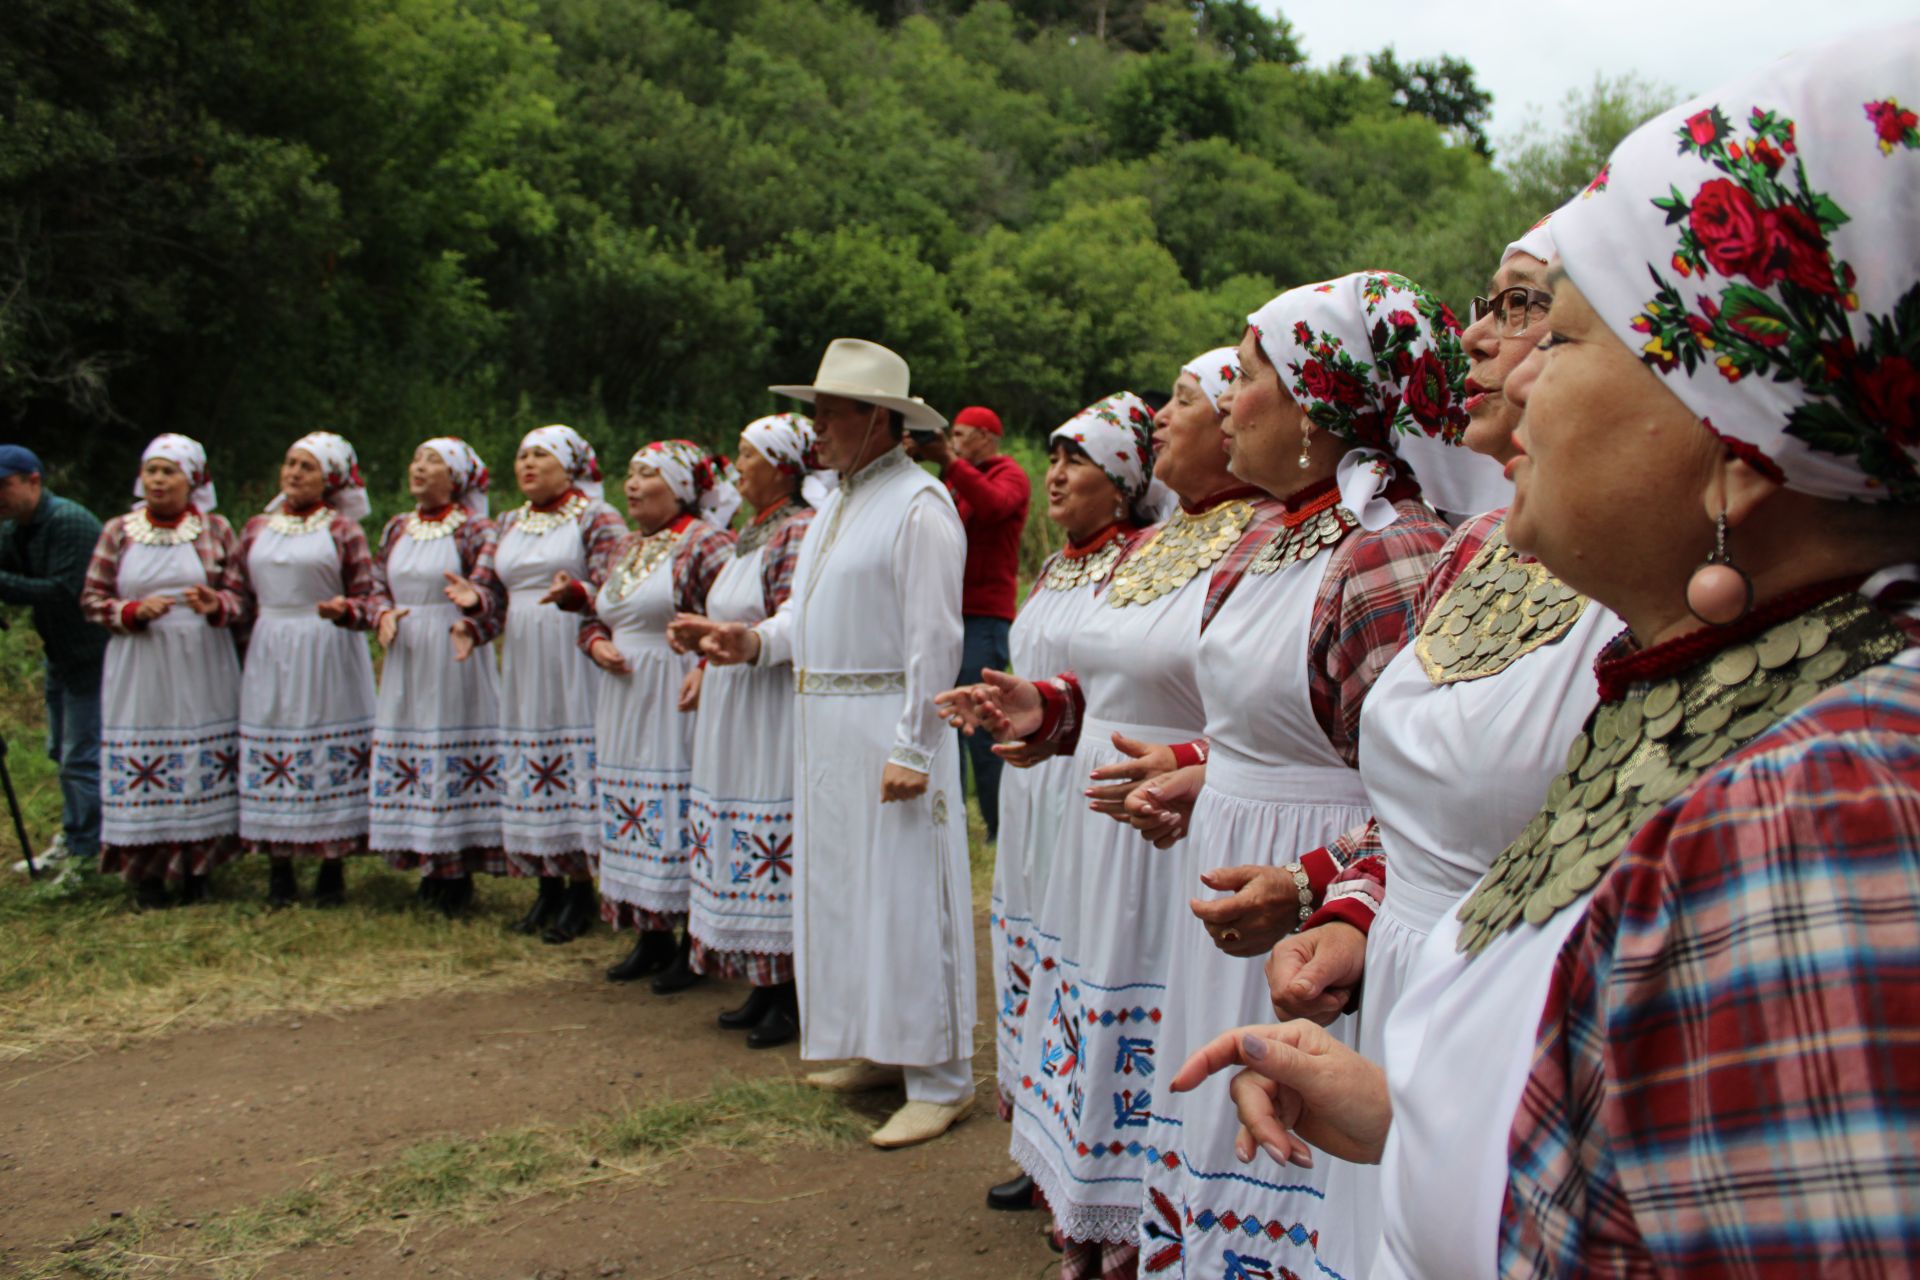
(437,776)
(165,580)
(1658,1036)
(1085,1090)
(306,695)
(680,502)
(1100,463)
(740,818)
(554,547)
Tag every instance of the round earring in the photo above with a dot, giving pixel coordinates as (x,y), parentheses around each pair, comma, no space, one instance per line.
(1719,592)
(1119,510)
(1306,438)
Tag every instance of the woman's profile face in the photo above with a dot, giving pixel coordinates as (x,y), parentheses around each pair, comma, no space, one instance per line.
(1189,455)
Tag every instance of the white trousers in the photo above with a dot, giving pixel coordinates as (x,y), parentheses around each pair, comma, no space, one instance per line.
(946,1082)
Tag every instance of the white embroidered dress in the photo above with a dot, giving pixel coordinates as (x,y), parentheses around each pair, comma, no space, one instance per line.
(169,706)
(306,698)
(1275,788)
(548,821)
(883,918)
(437,774)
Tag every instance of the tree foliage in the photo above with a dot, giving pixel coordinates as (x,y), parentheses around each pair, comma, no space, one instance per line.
(245,219)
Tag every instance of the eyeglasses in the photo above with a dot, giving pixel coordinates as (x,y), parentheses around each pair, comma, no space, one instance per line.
(1514,310)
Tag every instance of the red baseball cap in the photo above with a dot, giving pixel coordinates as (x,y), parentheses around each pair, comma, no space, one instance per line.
(978,415)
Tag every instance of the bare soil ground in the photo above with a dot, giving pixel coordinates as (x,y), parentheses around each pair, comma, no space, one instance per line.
(211,1121)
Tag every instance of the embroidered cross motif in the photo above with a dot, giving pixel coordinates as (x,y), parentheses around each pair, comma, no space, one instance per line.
(629,816)
(406,774)
(771,861)
(552,774)
(1166,1229)
(149,772)
(1018,984)
(279,769)
(477,773)
(225,762)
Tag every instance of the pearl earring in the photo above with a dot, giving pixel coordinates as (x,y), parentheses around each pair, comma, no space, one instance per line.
(1719,592)
(1306,437)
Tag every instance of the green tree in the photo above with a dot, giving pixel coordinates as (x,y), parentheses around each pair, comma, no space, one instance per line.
(1442,89)
(1549,168)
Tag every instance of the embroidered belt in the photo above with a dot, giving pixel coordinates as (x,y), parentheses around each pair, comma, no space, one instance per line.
(848,682)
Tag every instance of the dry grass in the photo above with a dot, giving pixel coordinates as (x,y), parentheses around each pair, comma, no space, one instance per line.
(459,1179)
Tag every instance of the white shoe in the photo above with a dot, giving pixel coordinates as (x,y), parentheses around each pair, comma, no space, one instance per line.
(50,857)
(856,1077)
(919,1122)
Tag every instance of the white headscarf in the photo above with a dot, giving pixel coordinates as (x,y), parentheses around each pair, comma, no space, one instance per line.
(698,479)
(1537,243)
(785,440)
(1116,433)
(345,491)
(574,453)
(1216,371)
(470,476)
(187,454)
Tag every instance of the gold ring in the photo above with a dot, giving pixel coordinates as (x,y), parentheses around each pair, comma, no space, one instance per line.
(1229,936)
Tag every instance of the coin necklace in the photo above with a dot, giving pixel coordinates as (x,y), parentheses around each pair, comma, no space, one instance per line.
(140,528)
(641,559)
(428,529)
(1321,523)
(1176,553)
(537,524)
(1638,753)
(1497,611)
(1072,567)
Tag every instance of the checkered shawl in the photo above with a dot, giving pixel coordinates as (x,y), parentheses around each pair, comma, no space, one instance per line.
(1726,1079)
(356,563)
(219,552)
(476,538)
(779,559)
(697,561)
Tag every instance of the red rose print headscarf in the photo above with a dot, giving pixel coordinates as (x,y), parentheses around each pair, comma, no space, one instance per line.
(700,480)
(1215,372)
(785,440)
(574,453)
(1376,360)
(190,456)
(1117,434)
(345,492)
(1758,248)
(470,476)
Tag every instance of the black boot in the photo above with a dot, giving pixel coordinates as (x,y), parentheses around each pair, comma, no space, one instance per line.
(429,891)
(455,896)
(748,1015)
(782,1022)
(1012,1195)
(330,884)
(652,952)
(577,916)
(546,905)
(193,890)
(679,975)
(282,891)
(150,894)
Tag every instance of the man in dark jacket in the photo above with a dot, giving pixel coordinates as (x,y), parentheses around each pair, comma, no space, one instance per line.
(992,493)
(45,544)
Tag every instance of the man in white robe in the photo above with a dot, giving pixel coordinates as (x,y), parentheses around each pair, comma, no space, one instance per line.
(883,919)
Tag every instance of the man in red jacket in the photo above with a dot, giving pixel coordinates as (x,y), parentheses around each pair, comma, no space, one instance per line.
(991,491)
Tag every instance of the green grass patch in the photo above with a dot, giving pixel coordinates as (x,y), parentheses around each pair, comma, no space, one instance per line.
(459,1179)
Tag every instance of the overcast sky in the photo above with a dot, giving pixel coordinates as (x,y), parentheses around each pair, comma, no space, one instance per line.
(1529,54)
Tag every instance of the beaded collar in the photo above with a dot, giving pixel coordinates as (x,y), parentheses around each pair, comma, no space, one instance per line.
(1501,608)
(145,530)
(644,557)
(422,527)
(538,523)
(1088,563)
(1685,706)
(1183,546)
(288,525)
(765,525)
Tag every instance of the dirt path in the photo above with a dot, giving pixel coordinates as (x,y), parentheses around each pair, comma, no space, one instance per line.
(217,1119)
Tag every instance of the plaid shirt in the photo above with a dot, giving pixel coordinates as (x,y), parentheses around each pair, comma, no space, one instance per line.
(601,529)
(219,552)
(356,564)
(43,564)
(697,561)
(782,555)
(1726,1080)
(476,537)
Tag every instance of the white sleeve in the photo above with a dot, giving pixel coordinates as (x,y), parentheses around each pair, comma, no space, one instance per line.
(776,635)
(928,562)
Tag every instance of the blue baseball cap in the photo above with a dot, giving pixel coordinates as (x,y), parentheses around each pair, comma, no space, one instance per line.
(18,460)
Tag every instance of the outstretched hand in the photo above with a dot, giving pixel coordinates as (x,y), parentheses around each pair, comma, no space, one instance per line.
(389,626)
(152,607)
(607,656)
(202,599)
(1263,907)
(1313,974)
(1299,1086)
(690,683)
(334,610)
(1115,782)
(461,591)
(464,640)
(561,591)
(729,644)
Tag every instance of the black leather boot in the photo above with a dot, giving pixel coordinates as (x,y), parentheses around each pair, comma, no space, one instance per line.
(193,890)
(679,975)
(1012,1195)
(330,884)
(546,906)
(429,891)
(577,916)
(455,896)
(150,894)
(282,891)
(748,1015)
(782,1021)
(652,952)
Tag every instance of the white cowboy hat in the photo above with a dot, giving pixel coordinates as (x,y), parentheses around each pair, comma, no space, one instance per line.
(870,373)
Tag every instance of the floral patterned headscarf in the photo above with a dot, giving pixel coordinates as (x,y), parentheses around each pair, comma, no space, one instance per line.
(190,456)
(701,481)
(785,440)
(1757,247)
(574,453)
(1117,434)
(470,476)
(1374,359)
(1215,371)
(345,491)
